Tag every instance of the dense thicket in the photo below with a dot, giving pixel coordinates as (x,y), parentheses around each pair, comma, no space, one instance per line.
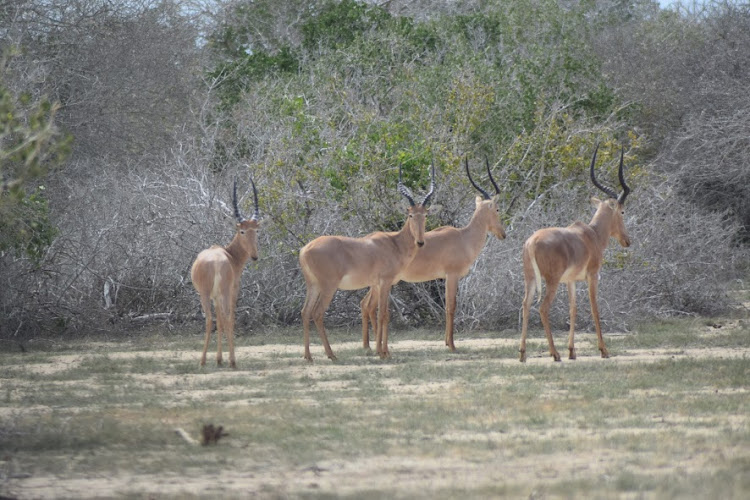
(320,102)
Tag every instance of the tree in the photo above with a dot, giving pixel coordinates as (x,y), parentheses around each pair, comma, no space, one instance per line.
(123,71)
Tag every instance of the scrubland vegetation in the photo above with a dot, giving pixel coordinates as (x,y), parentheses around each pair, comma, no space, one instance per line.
(124,124)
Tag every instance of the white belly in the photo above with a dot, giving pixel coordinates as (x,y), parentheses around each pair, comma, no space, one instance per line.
(571,275)
(349,282)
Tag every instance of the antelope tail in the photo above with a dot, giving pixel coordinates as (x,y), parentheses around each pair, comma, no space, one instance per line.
(537,274)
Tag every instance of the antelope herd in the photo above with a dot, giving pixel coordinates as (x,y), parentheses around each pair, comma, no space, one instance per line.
(381,259)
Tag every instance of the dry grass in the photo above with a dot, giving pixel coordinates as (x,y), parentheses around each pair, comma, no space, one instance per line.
(666,416)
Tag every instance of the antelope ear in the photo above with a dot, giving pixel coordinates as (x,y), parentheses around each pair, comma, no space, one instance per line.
(595,202)
(478,200)
(434,209)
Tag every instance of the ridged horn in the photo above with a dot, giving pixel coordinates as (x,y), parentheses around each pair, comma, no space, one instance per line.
(492,179)
(625,188)
(427,197)
(256,212)
(485,194)
(237,214)
(608,191)
(405,191)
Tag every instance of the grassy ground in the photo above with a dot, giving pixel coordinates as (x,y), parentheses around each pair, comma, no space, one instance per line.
(668,416)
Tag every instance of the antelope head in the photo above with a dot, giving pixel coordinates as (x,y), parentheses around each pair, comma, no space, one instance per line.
(247,229)
(614,202)
(417,212)
(486,205)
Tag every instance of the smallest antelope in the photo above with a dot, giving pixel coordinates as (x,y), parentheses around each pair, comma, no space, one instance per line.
(216,275)
(569,254)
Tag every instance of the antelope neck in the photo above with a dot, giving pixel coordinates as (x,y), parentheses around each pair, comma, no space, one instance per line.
(237,251)
(476,230)
(405,237)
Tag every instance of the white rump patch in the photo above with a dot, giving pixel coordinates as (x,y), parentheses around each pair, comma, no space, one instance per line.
(215,288)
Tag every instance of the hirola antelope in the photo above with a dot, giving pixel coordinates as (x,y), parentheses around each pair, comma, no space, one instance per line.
(216,275)
(569,254)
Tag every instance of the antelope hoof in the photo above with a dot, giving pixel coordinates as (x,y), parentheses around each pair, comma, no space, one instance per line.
(556,357)
(219,362)
(308,358)
(605,354)
(332,357)
(572,354)
(385,355)
(233,365)
(522,357)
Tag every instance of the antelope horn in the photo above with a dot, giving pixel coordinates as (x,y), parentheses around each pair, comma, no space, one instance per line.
(256,213)
(426,200)
(485,194)
(492,179)
(237,214)
(625,188)
(609,192)
(405,191)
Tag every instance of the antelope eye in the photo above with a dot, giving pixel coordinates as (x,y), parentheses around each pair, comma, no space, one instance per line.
(242,231)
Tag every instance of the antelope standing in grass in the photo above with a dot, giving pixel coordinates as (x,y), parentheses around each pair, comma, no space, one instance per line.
(574,253)
(216,275)
(448,253)
(330,263)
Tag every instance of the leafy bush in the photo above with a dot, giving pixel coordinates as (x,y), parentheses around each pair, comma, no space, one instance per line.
(26,226)
(339,23)
(30,145)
